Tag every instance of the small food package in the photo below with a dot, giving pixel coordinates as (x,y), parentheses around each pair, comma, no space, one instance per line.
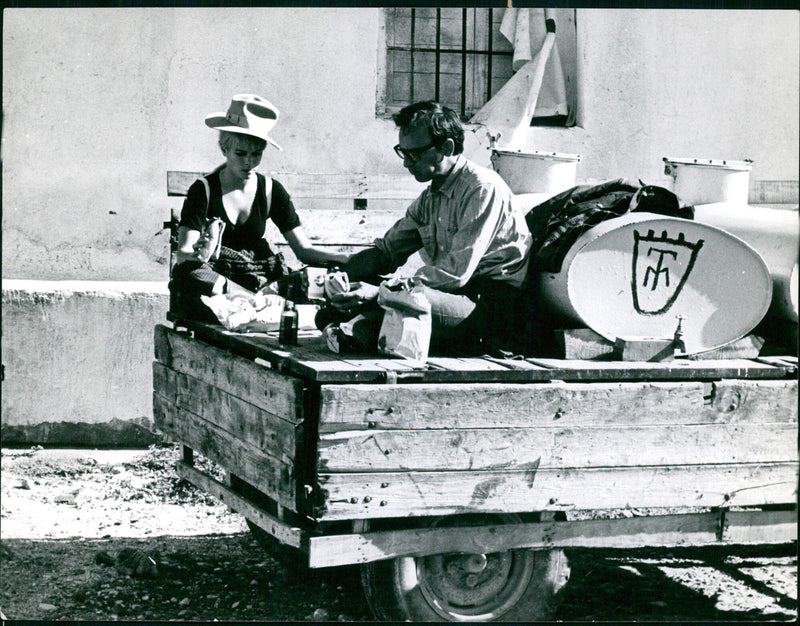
(406,327)
(336,283)
(259,313)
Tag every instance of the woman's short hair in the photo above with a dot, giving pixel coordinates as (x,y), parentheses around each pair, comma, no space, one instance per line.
(229,140)
(442,122)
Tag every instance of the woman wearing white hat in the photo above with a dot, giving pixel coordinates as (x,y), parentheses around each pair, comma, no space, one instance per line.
(234,255)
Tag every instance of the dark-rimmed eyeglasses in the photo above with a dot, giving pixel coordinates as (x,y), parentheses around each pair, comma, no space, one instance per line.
(412,154)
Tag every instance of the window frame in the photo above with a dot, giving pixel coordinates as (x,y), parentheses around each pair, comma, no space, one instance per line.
(384,110)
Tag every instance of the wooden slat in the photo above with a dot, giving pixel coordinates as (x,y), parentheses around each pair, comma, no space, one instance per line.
(377,495)
(277,393)
(274,476)
(310,360)
(682,530)
(559,369)
(789,362)
(616,370)
(514,364)
(285,533)
(480,449)
(564,405)
(321,185)
(236,417)
(466,364)
(388,364)
(774,192)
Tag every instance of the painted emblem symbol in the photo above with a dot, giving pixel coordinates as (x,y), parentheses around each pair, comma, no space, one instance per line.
(661,266)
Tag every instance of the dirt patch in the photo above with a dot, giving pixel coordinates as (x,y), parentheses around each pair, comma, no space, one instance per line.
(68,515)
(54,494)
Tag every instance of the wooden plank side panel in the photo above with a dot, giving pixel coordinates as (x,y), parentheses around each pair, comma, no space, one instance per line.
(376,495)
(516,405)
(554,447)
(681,530)
(742,527)
(254,383)
(476,405)
(274,476)
(226,412)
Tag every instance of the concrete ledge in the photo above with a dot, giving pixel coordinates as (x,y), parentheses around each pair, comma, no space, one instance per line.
(78,354)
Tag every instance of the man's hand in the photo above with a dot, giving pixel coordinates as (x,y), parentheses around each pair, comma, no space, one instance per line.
(359,294)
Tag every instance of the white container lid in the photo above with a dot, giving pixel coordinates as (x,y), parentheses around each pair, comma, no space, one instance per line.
(745,165)
(538,154)
(635,275)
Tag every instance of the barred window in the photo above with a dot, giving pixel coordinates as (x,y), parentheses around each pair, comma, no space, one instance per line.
(456,56)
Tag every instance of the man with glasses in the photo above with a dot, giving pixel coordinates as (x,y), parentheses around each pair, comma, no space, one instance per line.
(470,233)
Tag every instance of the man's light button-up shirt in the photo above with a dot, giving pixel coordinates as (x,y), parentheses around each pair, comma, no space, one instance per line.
(470,226)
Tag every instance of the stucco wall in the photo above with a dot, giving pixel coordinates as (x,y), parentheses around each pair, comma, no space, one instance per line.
(686,83)
(99,103)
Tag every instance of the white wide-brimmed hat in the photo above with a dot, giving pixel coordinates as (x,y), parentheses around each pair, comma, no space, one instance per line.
(248,114)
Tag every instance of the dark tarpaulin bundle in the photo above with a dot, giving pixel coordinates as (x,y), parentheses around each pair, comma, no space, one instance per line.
(558,222)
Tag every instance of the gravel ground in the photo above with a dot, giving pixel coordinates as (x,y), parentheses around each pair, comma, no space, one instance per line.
(70,517)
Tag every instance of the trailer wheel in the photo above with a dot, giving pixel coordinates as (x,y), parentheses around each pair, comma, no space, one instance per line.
(514,585)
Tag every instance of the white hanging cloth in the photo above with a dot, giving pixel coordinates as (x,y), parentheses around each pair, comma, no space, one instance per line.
(537,87)
(526,30)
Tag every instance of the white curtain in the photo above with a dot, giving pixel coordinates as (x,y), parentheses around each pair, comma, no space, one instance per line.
(525,30)
(536,89)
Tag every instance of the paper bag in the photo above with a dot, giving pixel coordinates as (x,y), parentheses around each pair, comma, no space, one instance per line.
(406,327)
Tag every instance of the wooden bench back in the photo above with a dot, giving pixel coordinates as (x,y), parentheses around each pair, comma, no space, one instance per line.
(343,211)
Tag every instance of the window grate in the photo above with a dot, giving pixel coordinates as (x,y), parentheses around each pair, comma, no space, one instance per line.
(454,56)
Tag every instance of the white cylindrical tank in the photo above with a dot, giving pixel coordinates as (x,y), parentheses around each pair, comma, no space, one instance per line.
(774,234)
(636,275)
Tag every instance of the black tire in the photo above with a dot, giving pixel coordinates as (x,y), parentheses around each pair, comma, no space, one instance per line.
(515,585)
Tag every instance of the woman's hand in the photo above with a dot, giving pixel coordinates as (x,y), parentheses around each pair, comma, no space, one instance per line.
(360,293)
(200,248)
(188,242)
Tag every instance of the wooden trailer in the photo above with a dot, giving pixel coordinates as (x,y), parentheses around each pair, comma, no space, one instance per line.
(456,485)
